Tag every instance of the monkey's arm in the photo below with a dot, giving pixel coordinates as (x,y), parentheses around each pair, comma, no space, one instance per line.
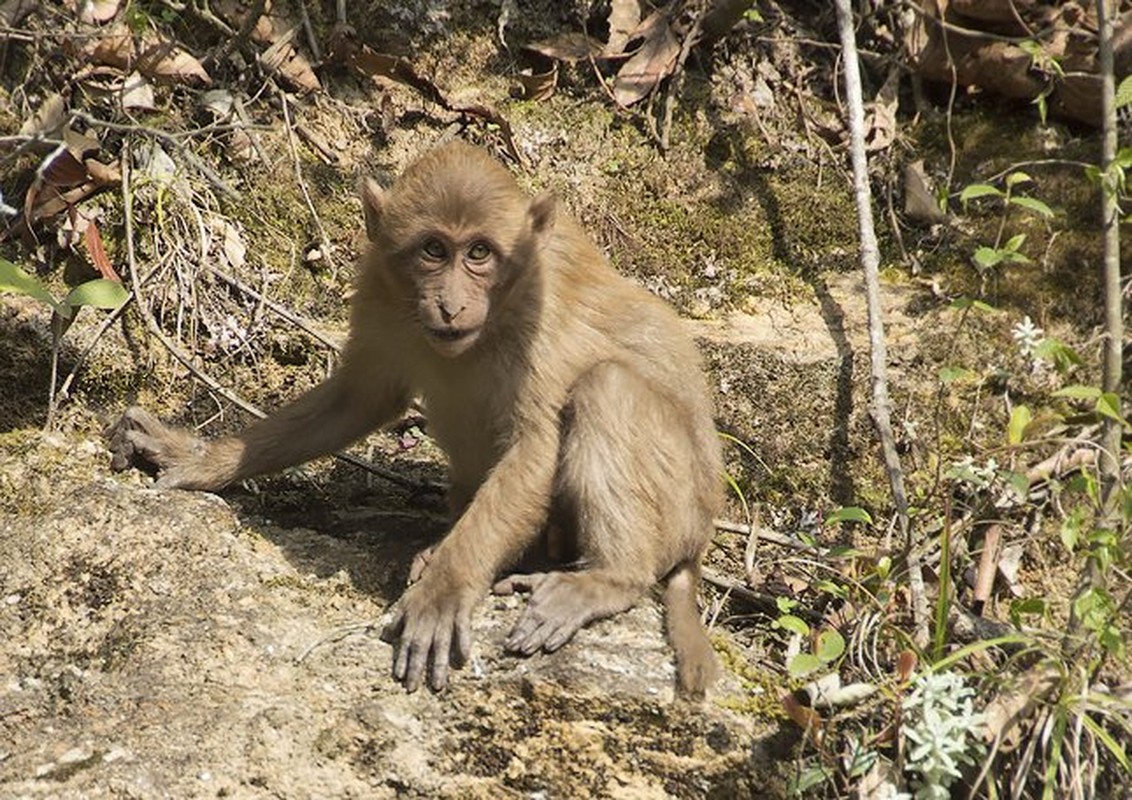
(327,418)
(432,627)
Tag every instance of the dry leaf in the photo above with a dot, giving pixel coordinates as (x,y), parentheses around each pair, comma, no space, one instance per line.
(539,85)
(12,12)
(651,64)
(115,48)
(920,205)
(568,47)
(624,17)
(98,12)
(292,66)
(805,718)
(137,93)
(905,664)
(48,118)
(163,59)
(880,124)
(1006,712)
(98,257)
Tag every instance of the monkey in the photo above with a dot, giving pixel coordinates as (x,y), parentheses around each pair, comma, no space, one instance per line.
(567,398)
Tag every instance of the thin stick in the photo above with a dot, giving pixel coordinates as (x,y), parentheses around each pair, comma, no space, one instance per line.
(870,262)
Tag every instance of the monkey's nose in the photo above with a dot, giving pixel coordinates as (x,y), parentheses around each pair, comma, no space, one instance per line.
(446,314)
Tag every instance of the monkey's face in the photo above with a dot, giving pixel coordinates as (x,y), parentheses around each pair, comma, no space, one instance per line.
(452,279)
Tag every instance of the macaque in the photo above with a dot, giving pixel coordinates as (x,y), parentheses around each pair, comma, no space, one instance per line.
(570,402)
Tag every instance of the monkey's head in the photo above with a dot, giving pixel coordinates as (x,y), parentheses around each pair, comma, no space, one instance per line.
(456,233)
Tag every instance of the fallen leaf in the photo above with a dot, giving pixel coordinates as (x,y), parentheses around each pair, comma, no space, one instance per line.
(653,62)
(115,48)
(624,17)
(805,718)
(292,66)
(568,47)
(163,59)
(880,123)
(920,205)
(1006,713)
(137,93)
(98,257)
(48,118)
(98,12)
(538,85)
(12,12)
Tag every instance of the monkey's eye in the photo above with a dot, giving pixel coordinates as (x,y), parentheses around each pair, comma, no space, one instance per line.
(480,251)
(434,249)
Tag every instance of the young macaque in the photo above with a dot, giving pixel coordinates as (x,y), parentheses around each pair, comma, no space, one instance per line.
(570,402)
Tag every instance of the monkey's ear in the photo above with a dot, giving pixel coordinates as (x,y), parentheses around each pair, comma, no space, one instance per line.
(541,212)
(373,203)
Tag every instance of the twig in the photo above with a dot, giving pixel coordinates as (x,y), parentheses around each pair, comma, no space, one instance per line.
(763,533)
(303,324)
(190,157)
(187,361)
(316,51)
(676,80)
(870,262)
(323,237)
(246,28)
(763,602)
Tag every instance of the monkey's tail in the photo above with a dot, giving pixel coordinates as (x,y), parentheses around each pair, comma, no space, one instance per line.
(696,668)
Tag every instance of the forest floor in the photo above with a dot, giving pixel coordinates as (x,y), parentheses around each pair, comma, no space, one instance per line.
(186,645)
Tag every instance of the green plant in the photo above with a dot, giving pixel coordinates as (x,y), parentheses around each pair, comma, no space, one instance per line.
(97,293)
(1009,251)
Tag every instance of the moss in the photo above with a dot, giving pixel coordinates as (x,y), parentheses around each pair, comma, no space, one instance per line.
(762,689)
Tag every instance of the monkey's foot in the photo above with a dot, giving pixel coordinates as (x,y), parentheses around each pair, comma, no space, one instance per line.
(561,603)
(420,563)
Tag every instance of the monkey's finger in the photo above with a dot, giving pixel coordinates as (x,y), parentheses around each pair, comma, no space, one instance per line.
(562,634)
(518,583)
(528,636)
(391,633)
(416,658)
(441,655)
(462,646)
(420,563)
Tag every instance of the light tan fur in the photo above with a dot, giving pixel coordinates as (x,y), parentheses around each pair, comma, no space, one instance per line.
(561,392)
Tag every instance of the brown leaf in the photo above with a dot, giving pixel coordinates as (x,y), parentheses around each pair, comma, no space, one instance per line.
(905,664)
(568,47)
(12,12)
(163,59)
(539,85)
(115,48)
(805,718)
(652,63)
(1006,713)
(624,17)
(98,257)
(48,118)
(137,93)
(98,12)
(292,66)
(402,70)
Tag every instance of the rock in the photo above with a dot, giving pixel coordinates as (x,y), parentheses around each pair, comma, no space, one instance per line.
(158,644)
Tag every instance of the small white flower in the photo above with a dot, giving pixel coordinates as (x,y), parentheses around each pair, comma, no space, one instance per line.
(1027,336)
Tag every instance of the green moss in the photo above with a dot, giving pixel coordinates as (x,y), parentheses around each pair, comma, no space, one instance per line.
(762,689)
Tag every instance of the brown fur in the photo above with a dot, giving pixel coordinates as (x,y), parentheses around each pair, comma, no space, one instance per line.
(561,392)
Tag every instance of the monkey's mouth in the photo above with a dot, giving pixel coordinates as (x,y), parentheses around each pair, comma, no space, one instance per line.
(452,334)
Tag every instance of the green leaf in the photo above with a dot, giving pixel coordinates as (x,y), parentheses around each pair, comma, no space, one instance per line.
(987,257)
(1124,155)
(1014,242)
(99,293)
(830,645)
(1020,417)
(1028,607)
(1097,729)
(1124,92)
(953,374)
(976,190)
(1093,173)
(1071,529)
(1017,481)
(1015,178)
(14,279)
(849,514)
(789,622)
(803,664)
(1062,356)
(1078,392)
(1108,405)
(1033,204)
(810,777)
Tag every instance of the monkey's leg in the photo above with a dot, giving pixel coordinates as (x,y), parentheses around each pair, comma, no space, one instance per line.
(325,419)
(612,470)
(625,459)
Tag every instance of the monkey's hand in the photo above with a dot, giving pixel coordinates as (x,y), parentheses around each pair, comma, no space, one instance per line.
(139,439)
(432,629)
